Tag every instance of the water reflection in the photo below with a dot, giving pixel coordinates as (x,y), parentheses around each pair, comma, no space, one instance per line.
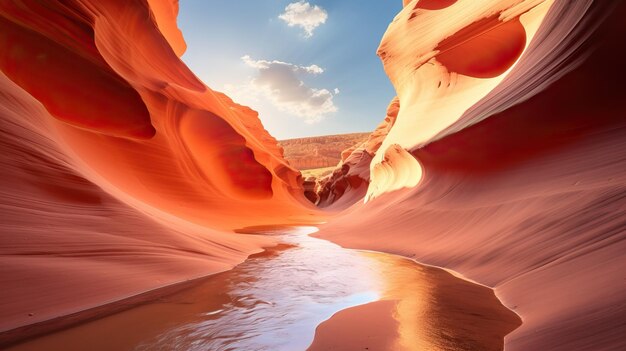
(277,299)
(276,303)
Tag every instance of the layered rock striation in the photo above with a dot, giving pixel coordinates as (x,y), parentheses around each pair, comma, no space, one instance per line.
(514,113)
(501,158)
(121,171)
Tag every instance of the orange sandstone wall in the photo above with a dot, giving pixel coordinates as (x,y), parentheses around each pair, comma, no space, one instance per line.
(121,171)
(523,182)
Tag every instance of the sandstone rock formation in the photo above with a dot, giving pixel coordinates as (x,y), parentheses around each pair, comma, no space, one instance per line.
(121,171)
(503,158)
(352,174)
(523,181)
(319,152)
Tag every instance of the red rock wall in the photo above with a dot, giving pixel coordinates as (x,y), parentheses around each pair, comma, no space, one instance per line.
(525,192)
(121,171)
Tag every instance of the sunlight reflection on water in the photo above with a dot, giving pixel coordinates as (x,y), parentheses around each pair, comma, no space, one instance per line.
(275,304)
(275,300)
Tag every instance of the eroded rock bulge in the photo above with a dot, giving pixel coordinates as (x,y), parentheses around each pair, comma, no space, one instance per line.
(352,174)
(135,115)
(118,164)
(56,61)
(523,186)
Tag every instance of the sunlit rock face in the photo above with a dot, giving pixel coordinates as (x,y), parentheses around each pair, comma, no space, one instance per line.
(443,57)
(352,174)
(502,158)
(522,157)
(117,91)
(455,64)
(118,164)
(446,57)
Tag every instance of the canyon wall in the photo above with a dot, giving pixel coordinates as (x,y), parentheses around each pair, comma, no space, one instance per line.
(514,114)
(352,174)
(121,171)
(502,158)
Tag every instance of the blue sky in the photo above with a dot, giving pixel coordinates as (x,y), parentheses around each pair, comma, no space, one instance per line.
(244,49)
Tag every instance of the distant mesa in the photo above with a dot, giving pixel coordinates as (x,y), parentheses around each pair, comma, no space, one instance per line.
(319,152)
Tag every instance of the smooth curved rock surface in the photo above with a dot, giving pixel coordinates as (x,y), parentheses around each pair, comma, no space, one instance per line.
(122,172)
(524,190)
(503,159)
(351,176)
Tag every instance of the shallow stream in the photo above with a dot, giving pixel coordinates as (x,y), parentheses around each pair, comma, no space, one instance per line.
(277,299)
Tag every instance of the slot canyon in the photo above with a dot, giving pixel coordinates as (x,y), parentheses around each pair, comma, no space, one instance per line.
(141,209)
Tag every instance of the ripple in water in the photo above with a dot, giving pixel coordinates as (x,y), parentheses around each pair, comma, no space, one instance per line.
(276,303)
(283,298)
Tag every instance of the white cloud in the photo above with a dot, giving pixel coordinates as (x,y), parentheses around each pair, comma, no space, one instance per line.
(280,82)
(305,16)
